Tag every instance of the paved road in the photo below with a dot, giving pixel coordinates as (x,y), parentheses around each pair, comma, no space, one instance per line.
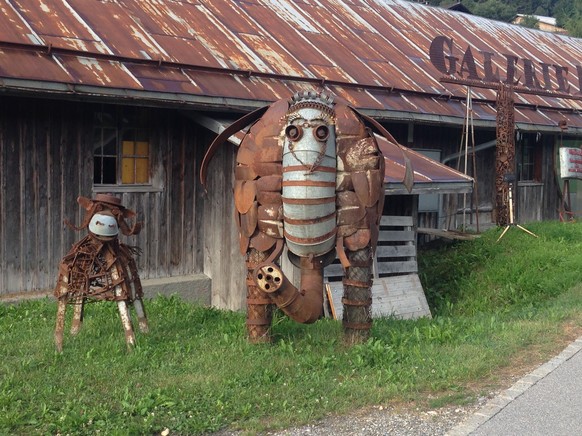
(546,402)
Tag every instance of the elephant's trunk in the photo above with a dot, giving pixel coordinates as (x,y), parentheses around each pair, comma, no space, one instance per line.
(304,305)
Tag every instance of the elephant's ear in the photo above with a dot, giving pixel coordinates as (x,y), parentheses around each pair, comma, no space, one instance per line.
(408,179)
(239,124)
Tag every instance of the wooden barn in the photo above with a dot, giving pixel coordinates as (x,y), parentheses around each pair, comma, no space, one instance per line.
(124,97)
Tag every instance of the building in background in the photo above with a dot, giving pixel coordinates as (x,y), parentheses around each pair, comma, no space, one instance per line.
(124,97)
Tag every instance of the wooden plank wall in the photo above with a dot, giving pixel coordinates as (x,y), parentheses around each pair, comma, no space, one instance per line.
(41,151)
(396,251)
(46,163)
(223,261)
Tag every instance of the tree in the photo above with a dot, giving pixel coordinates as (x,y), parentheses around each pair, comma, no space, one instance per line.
(495,9)
(568,13)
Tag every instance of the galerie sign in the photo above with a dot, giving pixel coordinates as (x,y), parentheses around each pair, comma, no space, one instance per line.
(478,65)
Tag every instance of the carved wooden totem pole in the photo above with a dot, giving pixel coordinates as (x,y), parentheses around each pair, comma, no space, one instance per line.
(99,267)
(309,175)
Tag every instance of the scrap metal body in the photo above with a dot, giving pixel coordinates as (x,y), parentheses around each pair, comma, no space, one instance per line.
(309,176)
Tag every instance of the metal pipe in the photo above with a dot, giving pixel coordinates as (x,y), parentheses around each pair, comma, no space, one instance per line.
(475,149)
(304,305)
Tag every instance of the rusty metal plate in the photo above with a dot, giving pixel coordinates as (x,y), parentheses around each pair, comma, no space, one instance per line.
(357,240)
(344,181)
(262,242)
(271,228)
(244,172)
(270,183)
(270,153)
(350,215)
(245,193)
(270,212)
(267,197)
(267,168)
(363,188)
(347,198)
(248,221)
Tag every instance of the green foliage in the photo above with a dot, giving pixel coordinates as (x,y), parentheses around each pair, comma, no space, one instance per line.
(572,19)
(495,10)
(568,13)
(530,22)
(196,373)
(519,270)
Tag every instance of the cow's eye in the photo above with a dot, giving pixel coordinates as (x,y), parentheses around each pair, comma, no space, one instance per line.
(321,133)
(294,133)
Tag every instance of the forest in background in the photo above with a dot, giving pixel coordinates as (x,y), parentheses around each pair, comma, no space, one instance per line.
(568,13)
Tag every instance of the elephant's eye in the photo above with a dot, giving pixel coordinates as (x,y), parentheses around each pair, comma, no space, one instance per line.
(294,133)
(321,133)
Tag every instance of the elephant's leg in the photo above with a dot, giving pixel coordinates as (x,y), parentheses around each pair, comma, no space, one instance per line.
(78,315)
(259,307)
(357,300)
(60,325)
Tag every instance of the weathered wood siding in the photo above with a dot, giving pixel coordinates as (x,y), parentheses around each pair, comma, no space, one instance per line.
(46,162)
(41,153)
(223,261)
(538,201)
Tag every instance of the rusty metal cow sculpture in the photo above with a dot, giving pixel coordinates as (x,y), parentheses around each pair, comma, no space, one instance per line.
(309,175)
(99,267)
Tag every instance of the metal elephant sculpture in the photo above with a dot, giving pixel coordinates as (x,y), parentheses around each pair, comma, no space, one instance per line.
(309,175)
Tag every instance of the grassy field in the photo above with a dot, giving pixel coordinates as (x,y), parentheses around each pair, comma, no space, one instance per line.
(499,309)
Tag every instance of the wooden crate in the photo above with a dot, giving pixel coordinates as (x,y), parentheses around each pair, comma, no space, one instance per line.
(397,290)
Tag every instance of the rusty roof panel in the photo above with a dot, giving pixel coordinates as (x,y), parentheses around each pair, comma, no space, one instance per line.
(288,36)
(12,27)
(186,51)
(241,87)
(31,66)
(164,79)
(120,33)
(88,71)
(54,24)
(230,12)
(271,53)
(215,36)
(425,169)
(259,50)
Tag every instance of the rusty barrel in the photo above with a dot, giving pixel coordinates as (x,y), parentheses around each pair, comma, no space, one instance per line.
(309,181)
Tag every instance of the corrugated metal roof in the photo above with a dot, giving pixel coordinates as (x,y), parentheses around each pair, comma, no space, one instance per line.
(374,53)
(429,175)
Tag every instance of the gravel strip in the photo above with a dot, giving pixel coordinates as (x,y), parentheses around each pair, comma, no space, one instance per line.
(381,420)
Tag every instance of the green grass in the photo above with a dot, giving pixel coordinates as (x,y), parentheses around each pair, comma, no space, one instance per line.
(498,308)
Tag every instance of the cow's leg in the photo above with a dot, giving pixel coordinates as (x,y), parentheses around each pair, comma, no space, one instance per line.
(259,307)
(141,315)
(136,295)
(122,298)
(357,300)
(60,325)
(125,319)
(78,315)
